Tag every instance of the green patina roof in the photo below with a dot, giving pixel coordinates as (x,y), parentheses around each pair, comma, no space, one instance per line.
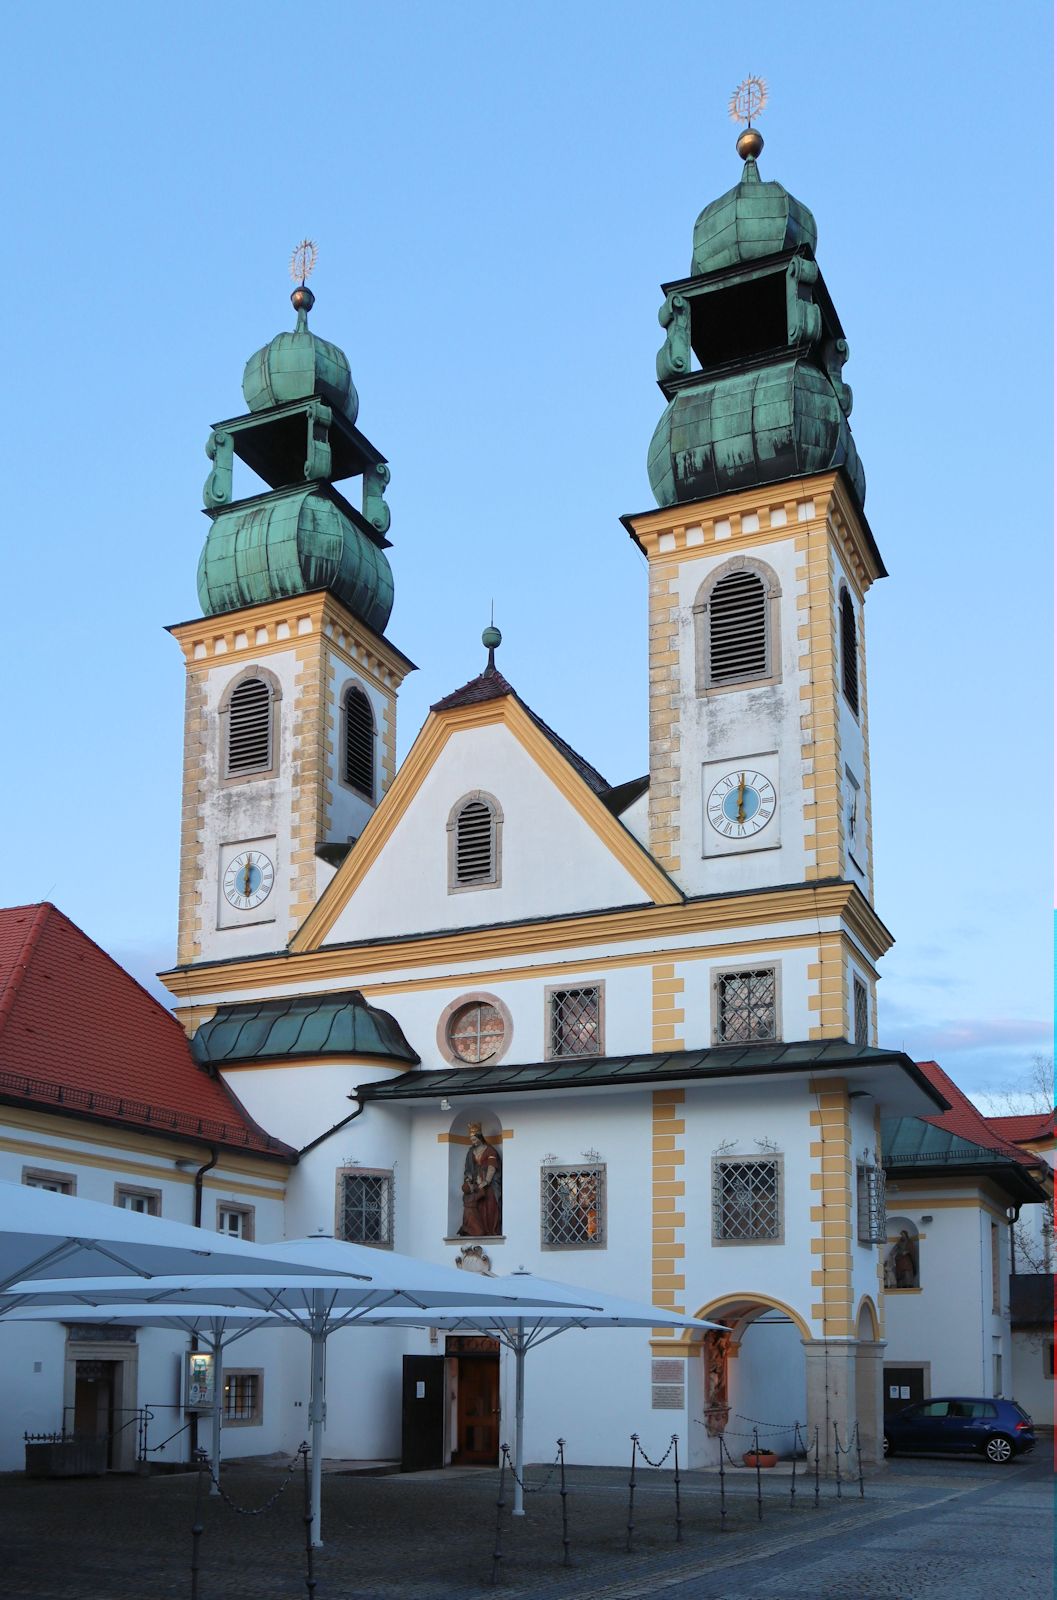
(294,366)
(760,426)
(290,543)
(340,1024)
(909,1139)
(751,220)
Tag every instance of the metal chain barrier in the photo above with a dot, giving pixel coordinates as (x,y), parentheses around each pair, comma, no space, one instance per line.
(254,1511)
(636,1452)
(535,1488)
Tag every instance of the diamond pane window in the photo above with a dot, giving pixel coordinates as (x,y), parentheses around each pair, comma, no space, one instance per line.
(366,1207)
(746,1199)
(870,1185)
(862,1012)
(358,768)
(476,1032)
(575,1022)
(250,729)
(746,1006)
(572,1207)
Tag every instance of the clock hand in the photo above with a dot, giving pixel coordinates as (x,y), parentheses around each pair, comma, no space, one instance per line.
(741,797)
(246,878)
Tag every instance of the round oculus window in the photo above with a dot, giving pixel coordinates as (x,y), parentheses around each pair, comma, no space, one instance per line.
(476,1032)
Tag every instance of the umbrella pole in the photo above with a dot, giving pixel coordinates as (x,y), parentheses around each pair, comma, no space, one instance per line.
(519,1424)
(218,1407)
(317,1411)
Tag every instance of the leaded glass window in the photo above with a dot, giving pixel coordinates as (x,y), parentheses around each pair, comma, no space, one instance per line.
(572,1207)
(365,1205)
(747,1200)
(575,1022)
(746,1006)
(476,1032)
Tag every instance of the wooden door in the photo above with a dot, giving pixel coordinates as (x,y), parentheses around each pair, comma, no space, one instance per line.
(478,1411)
(422,1430)
(903,1386)
(93,1401)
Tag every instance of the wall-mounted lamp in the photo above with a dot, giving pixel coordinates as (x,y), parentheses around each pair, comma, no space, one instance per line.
(445,1105)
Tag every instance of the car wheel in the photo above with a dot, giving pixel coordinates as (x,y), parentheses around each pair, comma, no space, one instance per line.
(999,1449)
(886,1446)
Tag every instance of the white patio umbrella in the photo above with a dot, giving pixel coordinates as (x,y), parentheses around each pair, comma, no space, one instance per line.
(318,1284)
(58,1236)
(214,1326)
(533,1325)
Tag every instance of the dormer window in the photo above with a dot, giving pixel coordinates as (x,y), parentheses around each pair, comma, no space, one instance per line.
(474,836)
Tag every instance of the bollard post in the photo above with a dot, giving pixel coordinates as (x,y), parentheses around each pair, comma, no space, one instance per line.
(198,1528)
(836,1457)
(497,1553)
(631,1492)
(563,1491)
(678,1502)
(759,1479)
(858,1453)
(816,1467)
(310,1576)
(722,1488)
(792,1480)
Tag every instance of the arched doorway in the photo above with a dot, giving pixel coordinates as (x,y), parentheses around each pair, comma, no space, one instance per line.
(752,1378)
(868,1379)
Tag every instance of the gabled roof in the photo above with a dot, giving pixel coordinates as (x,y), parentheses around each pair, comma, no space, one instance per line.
(335,1024)
(965,1122)
(1036,1125)
(491,685)
(78,1035)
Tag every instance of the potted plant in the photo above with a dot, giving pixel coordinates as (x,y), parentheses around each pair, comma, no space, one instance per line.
(760,1458)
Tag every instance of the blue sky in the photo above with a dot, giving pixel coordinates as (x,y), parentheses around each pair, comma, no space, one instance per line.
(497,192)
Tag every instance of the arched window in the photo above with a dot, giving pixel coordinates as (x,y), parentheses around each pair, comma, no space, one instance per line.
(736,614)
(849,650)
(358,742)
(474,834)
(249,715)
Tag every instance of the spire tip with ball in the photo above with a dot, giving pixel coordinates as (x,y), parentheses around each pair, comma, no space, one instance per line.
(302,265)
(747,101)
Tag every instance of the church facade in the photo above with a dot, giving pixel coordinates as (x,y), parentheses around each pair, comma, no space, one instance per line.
(511,1014)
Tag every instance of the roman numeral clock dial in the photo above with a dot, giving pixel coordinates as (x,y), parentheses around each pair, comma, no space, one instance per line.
(741,804)
(248,880)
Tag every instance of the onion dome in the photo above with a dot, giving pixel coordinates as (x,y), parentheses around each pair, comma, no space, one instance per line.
(297,365)
(290,543)
(751,220)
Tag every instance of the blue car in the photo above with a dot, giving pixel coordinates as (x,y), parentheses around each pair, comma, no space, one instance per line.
(997,1429)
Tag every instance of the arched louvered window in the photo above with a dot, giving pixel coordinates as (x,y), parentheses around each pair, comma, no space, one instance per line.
(358,742)
(849,651)
(474,834)
(250,729)
(736,621)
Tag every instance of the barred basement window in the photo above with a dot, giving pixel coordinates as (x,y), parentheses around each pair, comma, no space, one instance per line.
(365,1207)
(862,1012)
(249,728)
(849,651)
(737,628)
(572,1207)
(358,743)
(242,1398)
(474,830)
(870,1194)
(746,1006)
(747,1200)
(574,1022)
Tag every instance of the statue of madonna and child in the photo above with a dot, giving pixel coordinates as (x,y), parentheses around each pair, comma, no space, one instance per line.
(482,1188)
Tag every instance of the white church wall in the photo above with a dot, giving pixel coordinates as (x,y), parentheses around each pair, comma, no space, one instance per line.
(1032,1369)
(552,862)
(767,1387)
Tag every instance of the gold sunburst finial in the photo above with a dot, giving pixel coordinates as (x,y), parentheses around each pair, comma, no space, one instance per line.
(303,261)
(748,100)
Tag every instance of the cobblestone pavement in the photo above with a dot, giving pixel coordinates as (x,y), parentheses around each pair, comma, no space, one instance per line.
(927,1530)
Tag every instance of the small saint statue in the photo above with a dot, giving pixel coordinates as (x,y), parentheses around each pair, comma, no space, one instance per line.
(482,1188)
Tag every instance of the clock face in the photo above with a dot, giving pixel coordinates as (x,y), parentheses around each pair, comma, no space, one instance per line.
(741,804)
(248,880)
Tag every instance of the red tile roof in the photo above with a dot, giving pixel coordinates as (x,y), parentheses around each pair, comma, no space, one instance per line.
(1026,1129)
(964,1120)
(79,1034)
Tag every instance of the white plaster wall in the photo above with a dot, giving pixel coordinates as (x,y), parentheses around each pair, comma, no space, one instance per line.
(552,861)
(637,818)
(737,725)
(767,1388)
(1032,1385)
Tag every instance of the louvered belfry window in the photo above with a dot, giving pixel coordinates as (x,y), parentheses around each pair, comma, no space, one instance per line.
(249,728)
(475,844)
(849,651)
(359,743)
(738,646)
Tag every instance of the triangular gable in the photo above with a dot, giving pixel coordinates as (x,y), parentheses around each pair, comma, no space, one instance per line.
(645,879)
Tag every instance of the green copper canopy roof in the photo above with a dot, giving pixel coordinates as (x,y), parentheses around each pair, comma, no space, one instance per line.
(340,1024)
(751,220)
(288,543)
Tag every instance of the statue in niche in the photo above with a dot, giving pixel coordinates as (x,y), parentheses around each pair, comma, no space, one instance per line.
(901,1268)
(482,1188)
(717,1407)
